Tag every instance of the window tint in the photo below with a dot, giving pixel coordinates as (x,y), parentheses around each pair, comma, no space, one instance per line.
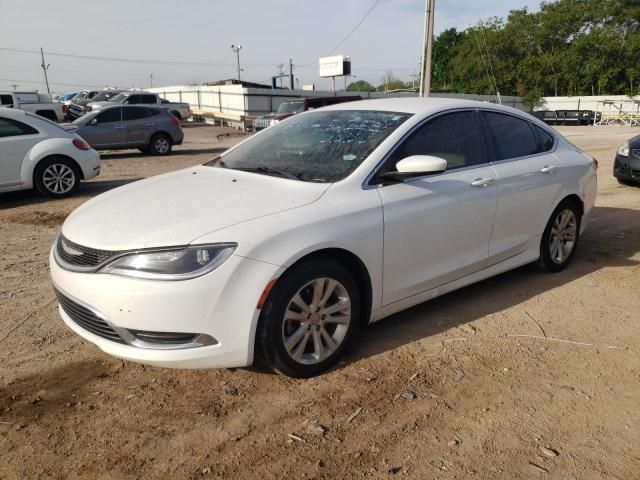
(152,112)
(455,137)
(13,128)
(133,99)
(134,113)
(6,100)
(111,115)
(543,139)
(512,137)
(148,99)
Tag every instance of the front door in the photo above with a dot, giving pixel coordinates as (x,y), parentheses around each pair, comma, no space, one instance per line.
(107,130)
(437,228)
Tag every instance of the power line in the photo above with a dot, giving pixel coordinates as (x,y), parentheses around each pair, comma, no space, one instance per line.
(126,60)
(375,4)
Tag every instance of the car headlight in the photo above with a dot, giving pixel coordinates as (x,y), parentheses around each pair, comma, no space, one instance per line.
(171,264)
(624,150)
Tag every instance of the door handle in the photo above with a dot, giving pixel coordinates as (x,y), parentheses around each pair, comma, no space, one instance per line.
(548,169)
(119,127)
(482,182)
(149,124)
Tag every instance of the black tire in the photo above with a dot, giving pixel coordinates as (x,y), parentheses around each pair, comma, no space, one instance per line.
(68,173)
(160,144)
(270,350)
(552,260)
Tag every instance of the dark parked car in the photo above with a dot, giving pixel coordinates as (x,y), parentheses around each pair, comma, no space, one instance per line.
(547,116)
(78,106)
(626,167)
(288,109)
(148,129)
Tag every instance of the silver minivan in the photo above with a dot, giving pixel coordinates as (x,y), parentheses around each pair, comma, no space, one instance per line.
(150,130)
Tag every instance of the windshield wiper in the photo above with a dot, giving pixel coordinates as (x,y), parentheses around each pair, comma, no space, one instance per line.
(271,171)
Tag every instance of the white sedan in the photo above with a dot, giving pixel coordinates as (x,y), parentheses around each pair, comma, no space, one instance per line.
(35,152)
(277,250)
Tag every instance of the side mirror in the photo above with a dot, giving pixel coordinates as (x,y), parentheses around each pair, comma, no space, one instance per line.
(416,166)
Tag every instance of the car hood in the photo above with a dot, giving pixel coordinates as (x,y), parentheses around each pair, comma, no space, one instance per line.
(276,116)
(101,104)
(178,207)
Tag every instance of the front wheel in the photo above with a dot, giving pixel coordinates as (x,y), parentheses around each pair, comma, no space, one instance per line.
(560,237)
(56,177)
(306,323)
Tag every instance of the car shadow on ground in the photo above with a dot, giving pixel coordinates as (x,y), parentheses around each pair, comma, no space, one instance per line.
(129,154)
(612,239)
(86,189)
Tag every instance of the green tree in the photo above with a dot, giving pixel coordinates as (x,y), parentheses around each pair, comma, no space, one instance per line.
(360,86)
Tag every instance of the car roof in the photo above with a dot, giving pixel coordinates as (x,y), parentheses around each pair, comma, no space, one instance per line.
(415,105)
(12,112)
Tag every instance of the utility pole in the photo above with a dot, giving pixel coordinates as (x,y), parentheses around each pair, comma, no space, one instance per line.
(14,85)
(291,74)
(237,48)
(280,73)
(151,80)
(414,76)
(425,83)
(45,67)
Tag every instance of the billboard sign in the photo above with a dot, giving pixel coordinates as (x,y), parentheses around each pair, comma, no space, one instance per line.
(336,66)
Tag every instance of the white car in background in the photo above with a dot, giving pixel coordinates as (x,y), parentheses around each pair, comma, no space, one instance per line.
(280,248)
(35,152)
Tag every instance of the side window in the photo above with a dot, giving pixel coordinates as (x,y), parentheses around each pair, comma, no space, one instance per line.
(133,99)
(543,139)
(111,115)
(6,100)
(13,128)
(512,137)
(134,113)
(148,99)
(456,137)
(152,112)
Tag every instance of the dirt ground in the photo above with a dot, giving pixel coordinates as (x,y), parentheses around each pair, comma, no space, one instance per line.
(464,386)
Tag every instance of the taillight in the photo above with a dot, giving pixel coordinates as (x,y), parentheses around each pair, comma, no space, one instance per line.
(80,144)
(595,164)
(175,121)
(65,108)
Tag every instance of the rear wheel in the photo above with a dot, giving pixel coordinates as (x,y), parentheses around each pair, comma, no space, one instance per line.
(308,319)
(56,177)
(560,238)
(160,144)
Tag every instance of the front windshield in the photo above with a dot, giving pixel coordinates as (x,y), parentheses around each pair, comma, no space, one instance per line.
(291,107)
(118,98)
(320,146)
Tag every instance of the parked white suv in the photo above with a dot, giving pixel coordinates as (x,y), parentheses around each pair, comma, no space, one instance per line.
(35,152)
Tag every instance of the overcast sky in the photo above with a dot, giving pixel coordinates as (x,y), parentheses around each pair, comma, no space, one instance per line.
(201,32)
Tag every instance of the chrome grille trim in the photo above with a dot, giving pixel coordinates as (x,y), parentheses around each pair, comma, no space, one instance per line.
(87,318)
(75,257)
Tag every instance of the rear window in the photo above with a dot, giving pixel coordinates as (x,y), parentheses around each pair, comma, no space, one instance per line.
(543,139)
(512,137)
(6,100)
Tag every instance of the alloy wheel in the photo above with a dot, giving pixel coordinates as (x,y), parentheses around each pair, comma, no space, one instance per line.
(316,321)
(59,178)
(161,145)
(562,239)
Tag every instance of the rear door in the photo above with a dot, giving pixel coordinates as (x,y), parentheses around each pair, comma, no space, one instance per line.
(16,138)
(108,130)
(528,181)
(138,123)
(437,227)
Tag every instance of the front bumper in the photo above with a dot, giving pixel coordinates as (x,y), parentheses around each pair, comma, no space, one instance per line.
(627,168)
(221,304)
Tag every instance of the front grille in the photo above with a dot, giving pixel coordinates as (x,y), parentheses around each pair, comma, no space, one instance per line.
(635,173)
(87,319)
(78,256)
(635,152)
